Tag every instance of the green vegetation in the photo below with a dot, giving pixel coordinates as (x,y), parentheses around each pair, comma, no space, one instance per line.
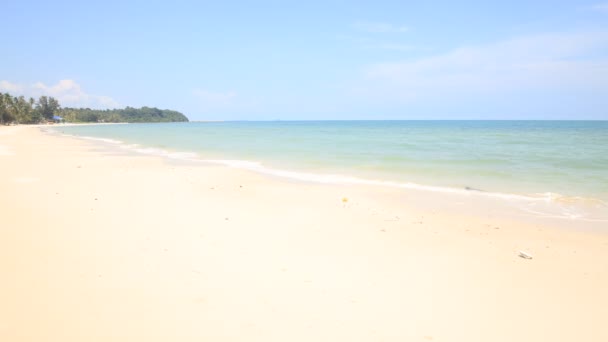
(19,110)
(129,114)
(15,109)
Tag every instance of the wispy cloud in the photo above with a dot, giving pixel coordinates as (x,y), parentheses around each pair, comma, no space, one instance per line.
(377,44)
(10,87)
(380,37)
(379,27)
(68,92)
(602,7)
(549,61)
(392,46)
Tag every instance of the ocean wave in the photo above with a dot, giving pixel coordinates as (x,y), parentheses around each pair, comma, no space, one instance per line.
(566,206)
(106,140)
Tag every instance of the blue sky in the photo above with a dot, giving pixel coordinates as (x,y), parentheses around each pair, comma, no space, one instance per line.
(266,60)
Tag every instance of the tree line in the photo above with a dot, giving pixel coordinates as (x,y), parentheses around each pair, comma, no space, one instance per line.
(19,110)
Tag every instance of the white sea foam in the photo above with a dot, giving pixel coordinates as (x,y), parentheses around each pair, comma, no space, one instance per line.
(182,155)
(553,205)
(561,206)
(106,140)
(343,179)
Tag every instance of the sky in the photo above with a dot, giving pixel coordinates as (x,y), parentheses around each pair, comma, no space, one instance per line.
(313,60)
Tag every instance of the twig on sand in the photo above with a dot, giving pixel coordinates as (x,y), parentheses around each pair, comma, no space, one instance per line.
(525,255)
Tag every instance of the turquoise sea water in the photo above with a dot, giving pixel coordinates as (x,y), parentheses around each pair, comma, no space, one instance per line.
(529,158)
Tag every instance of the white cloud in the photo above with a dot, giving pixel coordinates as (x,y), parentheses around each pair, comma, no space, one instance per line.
(9,87)
(379,27)
(542,62)
(68,92)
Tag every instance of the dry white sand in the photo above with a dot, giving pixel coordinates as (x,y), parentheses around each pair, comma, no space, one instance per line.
(97,245)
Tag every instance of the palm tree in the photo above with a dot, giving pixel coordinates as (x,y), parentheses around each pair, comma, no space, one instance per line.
(9,108)
(2,109)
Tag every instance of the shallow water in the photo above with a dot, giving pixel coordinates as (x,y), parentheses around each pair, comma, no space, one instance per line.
(569,158)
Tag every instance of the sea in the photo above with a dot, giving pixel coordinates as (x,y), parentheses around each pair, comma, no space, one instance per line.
(563,161)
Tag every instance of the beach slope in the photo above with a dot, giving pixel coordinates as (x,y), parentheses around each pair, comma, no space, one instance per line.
(99,244)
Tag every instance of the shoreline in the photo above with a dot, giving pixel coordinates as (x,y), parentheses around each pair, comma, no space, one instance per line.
(118,246)
(548,205)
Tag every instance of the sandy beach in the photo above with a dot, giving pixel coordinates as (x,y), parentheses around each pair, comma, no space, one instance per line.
(100,244)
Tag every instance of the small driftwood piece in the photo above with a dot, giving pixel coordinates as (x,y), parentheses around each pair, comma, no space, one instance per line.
(525,255)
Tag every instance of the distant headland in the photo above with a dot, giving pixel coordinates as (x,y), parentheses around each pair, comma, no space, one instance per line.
(19,110)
